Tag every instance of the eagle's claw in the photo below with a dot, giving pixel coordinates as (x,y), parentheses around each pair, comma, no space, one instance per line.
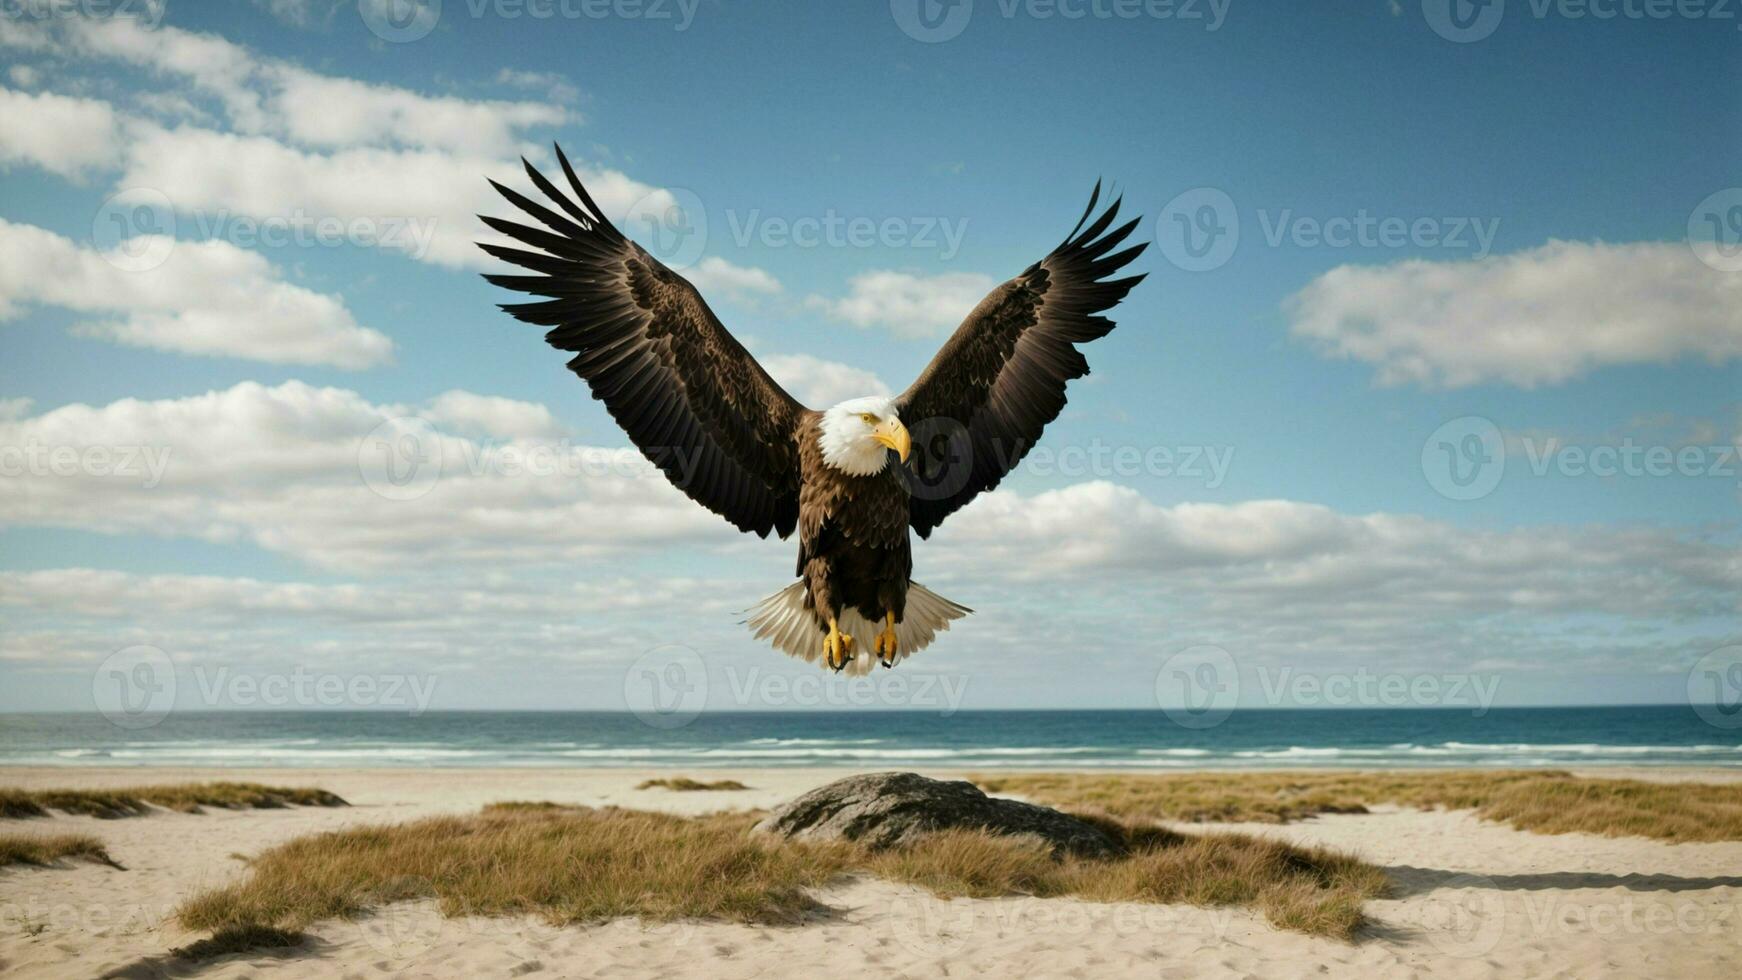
(884,643)
(837,648)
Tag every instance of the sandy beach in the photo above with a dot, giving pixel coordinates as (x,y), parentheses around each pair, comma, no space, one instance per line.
(1471,899)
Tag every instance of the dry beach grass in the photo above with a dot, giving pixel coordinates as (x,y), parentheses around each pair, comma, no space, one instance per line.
(1544,802)
(47,849)
(961,905)
(577,865)
(684,784)
(138,801)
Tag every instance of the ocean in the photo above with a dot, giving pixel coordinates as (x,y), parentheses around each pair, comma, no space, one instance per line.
(1659,735)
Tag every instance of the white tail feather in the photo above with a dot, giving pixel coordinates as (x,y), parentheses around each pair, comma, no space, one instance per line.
(796,631)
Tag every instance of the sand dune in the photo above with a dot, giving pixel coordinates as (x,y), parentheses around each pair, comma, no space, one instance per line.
(1473,899)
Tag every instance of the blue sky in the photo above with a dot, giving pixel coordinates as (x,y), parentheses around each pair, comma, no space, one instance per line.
(1548,174)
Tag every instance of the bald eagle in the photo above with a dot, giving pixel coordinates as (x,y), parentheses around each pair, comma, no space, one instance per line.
(699,407)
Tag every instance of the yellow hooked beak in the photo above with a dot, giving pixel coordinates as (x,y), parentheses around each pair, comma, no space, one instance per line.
(891,433)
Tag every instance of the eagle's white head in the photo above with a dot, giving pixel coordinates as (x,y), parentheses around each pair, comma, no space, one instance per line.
(857,435)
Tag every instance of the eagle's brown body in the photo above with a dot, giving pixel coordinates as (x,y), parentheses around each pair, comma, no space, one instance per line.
(853,548)
(695,402)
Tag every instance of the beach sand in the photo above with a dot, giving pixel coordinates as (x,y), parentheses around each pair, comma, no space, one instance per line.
(1472,899)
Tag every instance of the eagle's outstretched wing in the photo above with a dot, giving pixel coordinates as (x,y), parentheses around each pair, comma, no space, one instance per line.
(690,396)
(984,399)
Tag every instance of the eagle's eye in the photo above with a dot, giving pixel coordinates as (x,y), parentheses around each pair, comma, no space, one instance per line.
(867,418)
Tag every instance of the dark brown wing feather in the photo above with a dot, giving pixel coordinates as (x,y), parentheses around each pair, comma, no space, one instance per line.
(985,398)
(691,398)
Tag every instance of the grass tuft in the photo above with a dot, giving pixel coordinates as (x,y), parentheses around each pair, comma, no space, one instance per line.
(684,784)
(1544,802)
(579,865)
(43,851)
(138,801)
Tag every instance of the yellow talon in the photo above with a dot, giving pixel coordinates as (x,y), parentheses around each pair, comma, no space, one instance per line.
(884,644)
(837,646)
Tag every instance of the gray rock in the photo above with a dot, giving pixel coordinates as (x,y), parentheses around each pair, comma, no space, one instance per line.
(885,809)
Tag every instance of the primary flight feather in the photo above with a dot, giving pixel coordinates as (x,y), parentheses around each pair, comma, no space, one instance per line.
(697,405)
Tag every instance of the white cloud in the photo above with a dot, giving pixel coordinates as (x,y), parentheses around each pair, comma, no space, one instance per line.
(1093,570)
(208,298)
(1119,581)
(906,304)
(24,76)
(218,600)
(437,192)
(1298,555)
(300,13)
(556,87)
(308,472)
(714,274)
(304,146)
(819,383)
(265,96)
(491,417)
(63,135)
(1542,316)
(328,113)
